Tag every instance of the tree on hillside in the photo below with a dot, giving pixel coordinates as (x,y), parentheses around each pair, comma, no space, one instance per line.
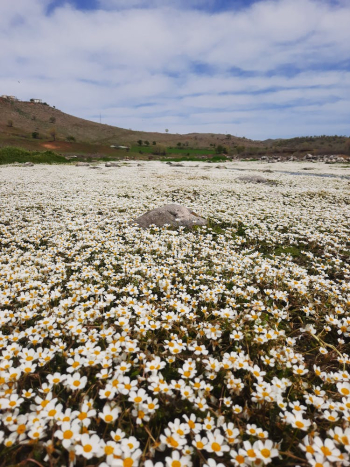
(139,142)
(53,133)
(154,143)
(159,150)
(347,147)
(166,130)
(52,119)
(221,149)
(147,143)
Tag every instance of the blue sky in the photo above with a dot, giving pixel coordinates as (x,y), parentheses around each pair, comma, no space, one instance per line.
(260,69)
(207,5)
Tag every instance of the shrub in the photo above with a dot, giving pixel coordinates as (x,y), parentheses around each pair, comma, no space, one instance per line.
(10,154)
(159,149)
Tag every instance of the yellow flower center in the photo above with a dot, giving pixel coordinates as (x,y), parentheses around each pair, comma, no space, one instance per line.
(265,453)
(21,429)
(67,434)
(326,451)
(251,453)
(216,447)
(109,450)
(172,442)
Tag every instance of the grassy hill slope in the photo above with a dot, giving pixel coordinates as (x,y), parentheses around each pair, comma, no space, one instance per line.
(73,135)
(28,117)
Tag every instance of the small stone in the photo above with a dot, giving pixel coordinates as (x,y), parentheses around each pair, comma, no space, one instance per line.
(253,179)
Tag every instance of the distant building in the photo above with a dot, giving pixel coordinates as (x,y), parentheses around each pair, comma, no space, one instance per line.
(120,147)
(36,101)
(9,98)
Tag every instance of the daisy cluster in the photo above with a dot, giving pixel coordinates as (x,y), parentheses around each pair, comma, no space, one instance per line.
(225,345)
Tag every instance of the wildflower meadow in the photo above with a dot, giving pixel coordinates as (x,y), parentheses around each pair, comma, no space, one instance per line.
(224,345)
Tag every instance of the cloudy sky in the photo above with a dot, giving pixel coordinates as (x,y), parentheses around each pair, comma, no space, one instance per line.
(255,68)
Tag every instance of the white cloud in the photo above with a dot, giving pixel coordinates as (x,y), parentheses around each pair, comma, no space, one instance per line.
(179,4)
(125,58)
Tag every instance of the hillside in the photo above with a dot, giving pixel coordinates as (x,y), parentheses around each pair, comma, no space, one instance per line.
(28,117)
(38,126)
(319,144)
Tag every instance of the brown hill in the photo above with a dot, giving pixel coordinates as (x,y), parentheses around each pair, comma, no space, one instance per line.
(19,119)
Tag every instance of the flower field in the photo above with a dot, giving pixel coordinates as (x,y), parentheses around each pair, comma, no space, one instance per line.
(227,345)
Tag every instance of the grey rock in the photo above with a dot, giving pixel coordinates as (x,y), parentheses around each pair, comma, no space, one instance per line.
(28,164)
(82,164)
(253,179)
(173,214)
